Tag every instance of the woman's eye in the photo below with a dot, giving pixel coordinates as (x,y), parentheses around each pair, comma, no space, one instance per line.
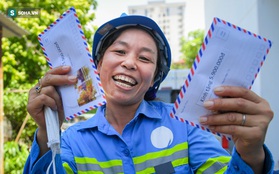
(144,59)
(120,51)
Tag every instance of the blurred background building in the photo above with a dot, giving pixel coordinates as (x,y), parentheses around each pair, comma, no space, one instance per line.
(169,16)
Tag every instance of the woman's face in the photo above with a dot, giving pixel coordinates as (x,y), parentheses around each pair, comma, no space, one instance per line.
(128,67)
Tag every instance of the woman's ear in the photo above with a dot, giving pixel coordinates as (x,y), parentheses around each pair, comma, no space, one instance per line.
(152,83)
(154,78)
(100,63)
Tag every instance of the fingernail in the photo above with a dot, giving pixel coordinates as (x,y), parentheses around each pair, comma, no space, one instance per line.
(203,119)
(219,89)
(208,104)
(72,78)
(65,67)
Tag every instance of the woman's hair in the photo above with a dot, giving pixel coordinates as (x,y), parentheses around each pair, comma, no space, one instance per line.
(109,39)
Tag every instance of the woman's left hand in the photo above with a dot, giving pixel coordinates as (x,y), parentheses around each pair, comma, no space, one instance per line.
(244,115)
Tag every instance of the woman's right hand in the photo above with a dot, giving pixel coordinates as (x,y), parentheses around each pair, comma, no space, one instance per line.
(48,95)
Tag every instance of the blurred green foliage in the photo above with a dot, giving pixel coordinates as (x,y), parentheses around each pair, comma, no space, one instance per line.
(24,63)
(15,157)
(23,60)
(190,46)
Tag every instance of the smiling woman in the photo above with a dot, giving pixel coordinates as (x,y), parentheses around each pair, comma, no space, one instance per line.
(127,68)
(132,132)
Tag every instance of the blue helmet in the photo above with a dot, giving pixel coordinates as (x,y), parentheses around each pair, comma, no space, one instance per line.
(110,27)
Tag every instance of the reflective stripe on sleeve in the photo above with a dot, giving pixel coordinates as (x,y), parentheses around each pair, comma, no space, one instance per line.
(216,165)
(178,155)
(85,164)
(68,168)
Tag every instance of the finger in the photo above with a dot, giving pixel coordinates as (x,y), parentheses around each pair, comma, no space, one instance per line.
(47,97)
(58,76)
(51,92)
(239,105)
(35,107)
(57,106)
(231,118)
(253,133)
(237,92)
(60,70)
(43,100)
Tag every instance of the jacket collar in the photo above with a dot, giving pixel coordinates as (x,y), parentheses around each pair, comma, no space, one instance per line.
(146,109)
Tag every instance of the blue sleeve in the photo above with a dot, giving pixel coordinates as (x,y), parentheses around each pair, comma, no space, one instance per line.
(67,155)
(237,165)
(205,149)
(35,165)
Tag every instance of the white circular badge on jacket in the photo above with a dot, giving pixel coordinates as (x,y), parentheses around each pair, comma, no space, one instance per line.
(161,137)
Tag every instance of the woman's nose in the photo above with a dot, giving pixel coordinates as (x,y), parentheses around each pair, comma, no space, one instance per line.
(129,62)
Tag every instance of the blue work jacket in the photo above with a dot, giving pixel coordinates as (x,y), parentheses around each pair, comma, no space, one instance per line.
(152,142)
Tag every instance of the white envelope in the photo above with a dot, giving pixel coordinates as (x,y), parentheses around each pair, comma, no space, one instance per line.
(229,55)
(64,43)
